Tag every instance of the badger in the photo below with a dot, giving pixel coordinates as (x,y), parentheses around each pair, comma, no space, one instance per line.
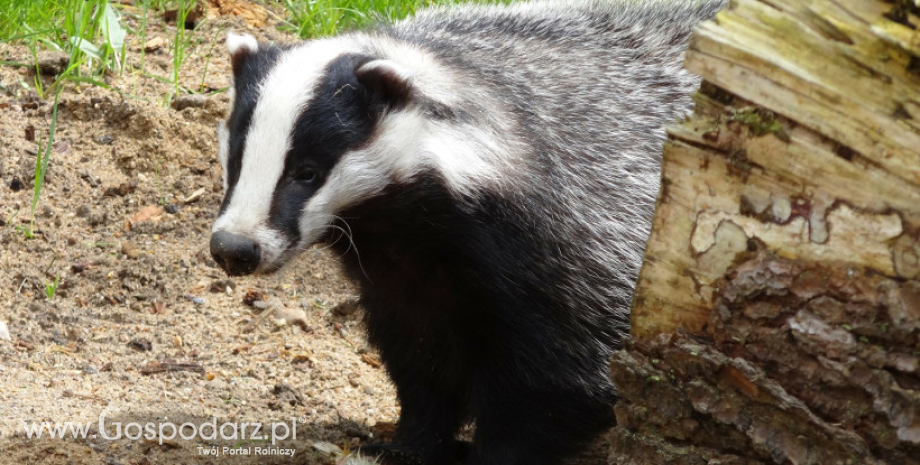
(486,175)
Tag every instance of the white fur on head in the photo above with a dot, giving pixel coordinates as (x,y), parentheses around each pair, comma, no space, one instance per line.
(388,67)
(237,43)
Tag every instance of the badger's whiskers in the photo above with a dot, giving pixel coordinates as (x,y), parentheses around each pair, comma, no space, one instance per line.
(346,232)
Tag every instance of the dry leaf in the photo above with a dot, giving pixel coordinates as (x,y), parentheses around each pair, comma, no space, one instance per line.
(255,15)
(148,213)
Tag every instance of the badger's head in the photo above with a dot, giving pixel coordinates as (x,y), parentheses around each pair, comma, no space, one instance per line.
(322,126)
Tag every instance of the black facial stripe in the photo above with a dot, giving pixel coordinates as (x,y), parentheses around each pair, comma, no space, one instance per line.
(253,69)
(338,119)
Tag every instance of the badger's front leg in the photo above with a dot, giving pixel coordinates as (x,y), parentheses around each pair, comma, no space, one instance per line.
(427,425)
(429,387)
(542,420)
(426,429)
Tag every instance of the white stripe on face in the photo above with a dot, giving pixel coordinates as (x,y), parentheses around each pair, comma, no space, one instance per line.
(283,95)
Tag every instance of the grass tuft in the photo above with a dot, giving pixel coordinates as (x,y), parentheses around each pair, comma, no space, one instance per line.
(180,40)
(51,287)
(317,18)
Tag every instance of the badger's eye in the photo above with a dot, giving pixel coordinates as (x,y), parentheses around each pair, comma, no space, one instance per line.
(307,176)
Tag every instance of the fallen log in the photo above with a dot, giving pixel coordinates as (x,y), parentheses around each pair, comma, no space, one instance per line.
(777,315)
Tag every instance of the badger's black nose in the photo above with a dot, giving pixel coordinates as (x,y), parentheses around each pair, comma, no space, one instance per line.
(236,254)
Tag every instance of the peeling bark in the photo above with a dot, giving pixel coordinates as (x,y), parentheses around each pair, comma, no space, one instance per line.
(800,362)
(777,316)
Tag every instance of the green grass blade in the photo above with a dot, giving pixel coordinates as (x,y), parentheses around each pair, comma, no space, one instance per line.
(114,35)
(41,163)
(86,47)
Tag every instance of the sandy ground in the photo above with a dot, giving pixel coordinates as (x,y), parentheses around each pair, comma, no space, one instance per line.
(123,221)
(142,324)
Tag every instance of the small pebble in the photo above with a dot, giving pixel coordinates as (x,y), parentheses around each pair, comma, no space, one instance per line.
(89,178)
(222,285)
(121,190)
(198,300)
(347,308)
(130,250)
(4,332)
(141,345)
(172,209)
(89,369)
(79,267)
(97,218)
(189,101)
(52,64)
(154,44)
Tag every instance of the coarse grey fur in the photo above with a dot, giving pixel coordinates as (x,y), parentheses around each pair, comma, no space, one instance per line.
(491,197)
(584,90)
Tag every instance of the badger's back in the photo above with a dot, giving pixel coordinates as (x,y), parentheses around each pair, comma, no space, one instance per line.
(582,91)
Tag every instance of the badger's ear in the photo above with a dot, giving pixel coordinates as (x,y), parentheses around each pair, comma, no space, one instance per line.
(388,82)
(241,48)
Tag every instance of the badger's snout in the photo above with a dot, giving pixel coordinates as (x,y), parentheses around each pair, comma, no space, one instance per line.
(236,254)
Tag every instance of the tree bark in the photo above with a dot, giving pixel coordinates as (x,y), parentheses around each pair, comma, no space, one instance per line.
(777,316)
